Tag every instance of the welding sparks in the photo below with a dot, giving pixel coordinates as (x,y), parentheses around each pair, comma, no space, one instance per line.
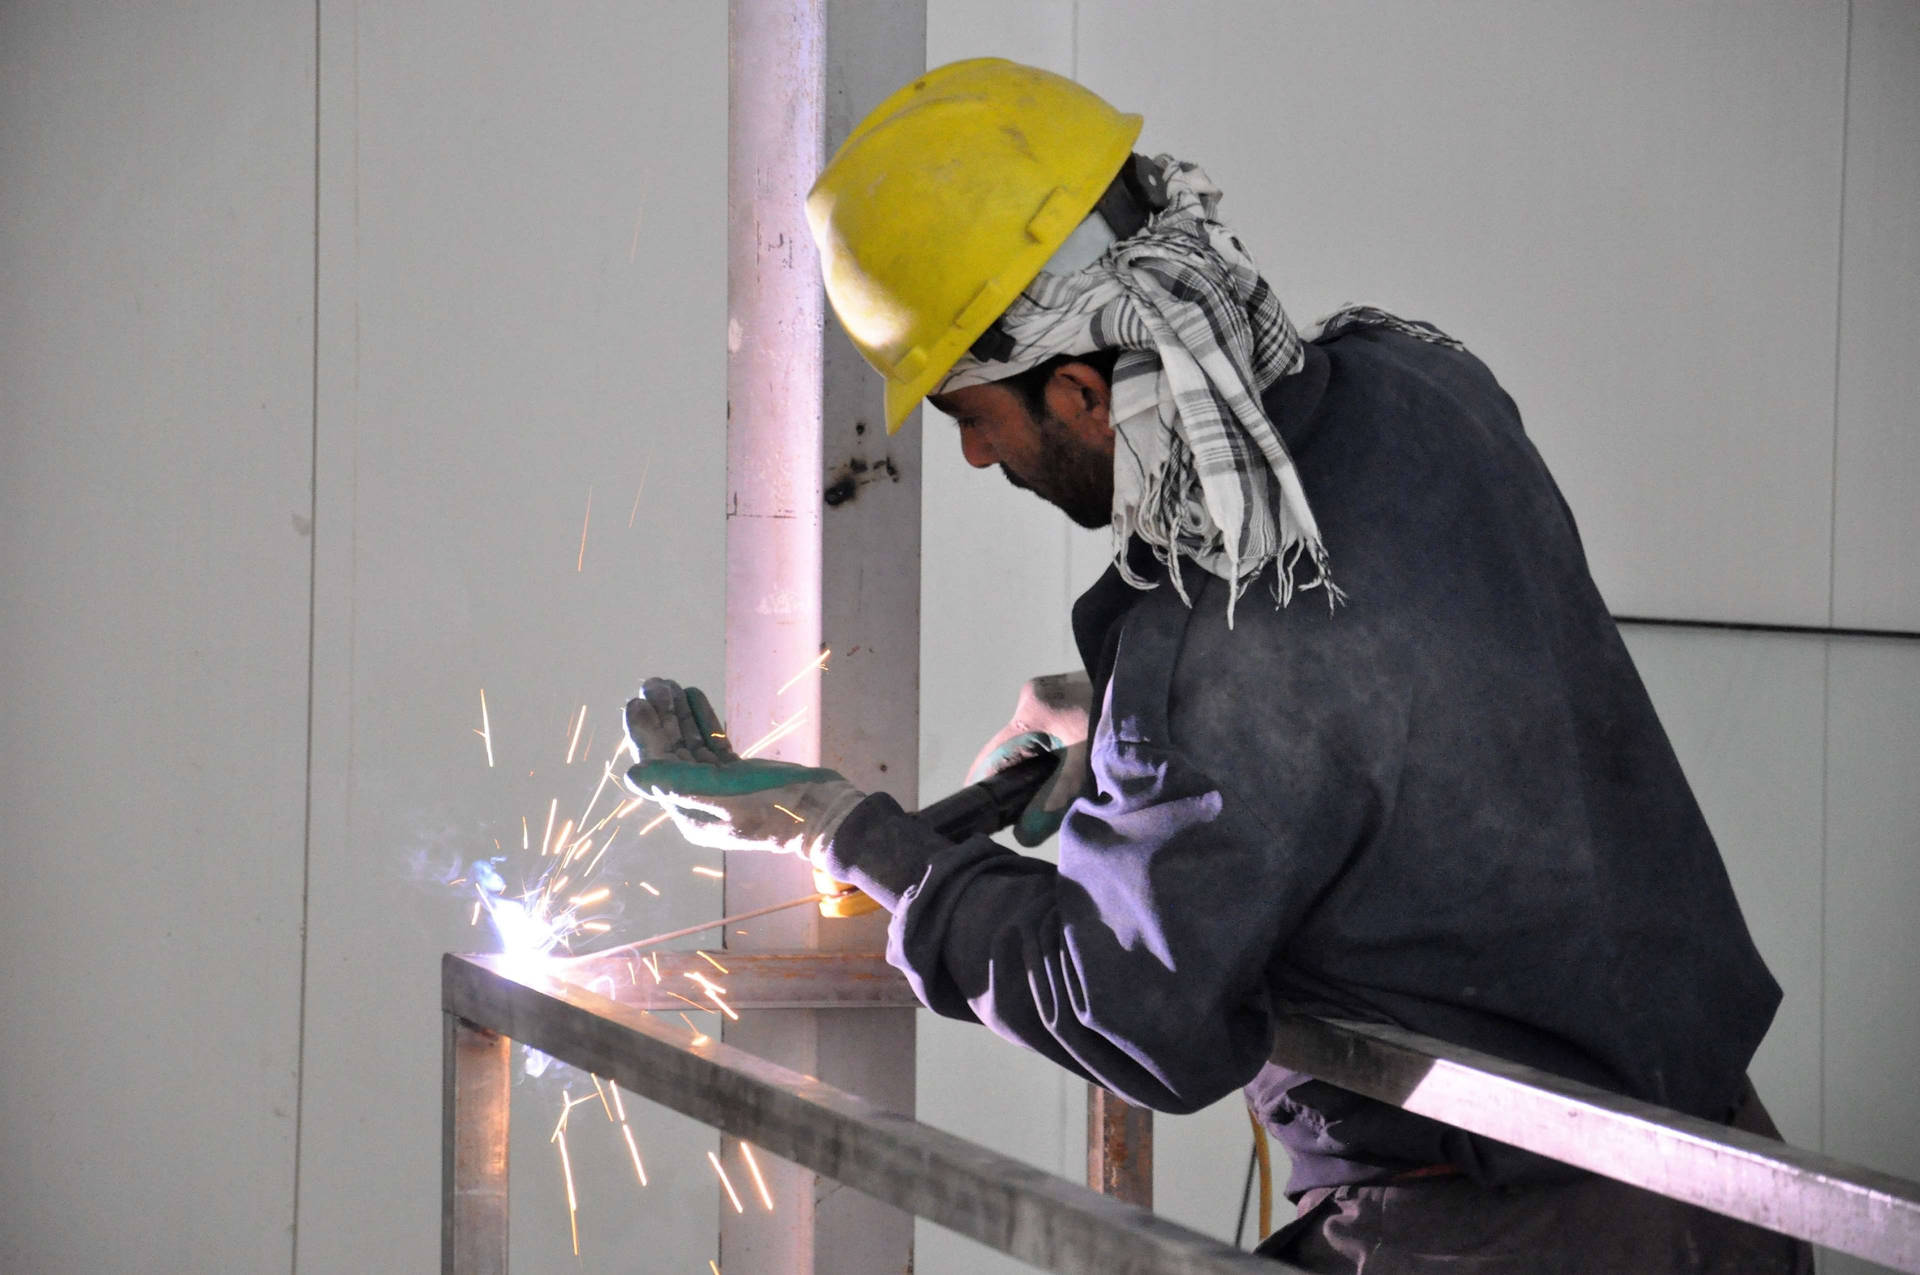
(817,662)
(759,1183)
(540,918)
(573,1201)
(605,774)
(486,727)
(648,464)
(715,993)
(773,736)
(788,813)
(582,560)
(578,722)
(568,1103)
(713,1266)
(732,1194)
(626,1131)
(718,924)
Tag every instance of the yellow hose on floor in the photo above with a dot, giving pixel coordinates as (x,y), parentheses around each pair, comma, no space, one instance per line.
(1264,1158)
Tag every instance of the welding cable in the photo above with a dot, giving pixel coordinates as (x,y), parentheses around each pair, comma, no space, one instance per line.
(1258,1159)
(1246,1196)
(1264,1158)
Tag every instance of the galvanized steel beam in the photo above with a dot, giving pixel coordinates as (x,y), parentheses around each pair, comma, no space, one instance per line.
(474,1090)
(1001,1202)
(1801,1193)
(823,551)
(750,980)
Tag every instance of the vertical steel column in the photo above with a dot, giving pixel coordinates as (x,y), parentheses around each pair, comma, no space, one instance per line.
(1119,1147)
(823,550)
(474,1091)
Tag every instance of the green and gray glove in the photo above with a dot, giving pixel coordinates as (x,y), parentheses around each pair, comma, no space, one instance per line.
(716,799)
(1052,713)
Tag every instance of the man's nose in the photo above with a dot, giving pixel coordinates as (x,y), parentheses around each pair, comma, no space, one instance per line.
(976,449)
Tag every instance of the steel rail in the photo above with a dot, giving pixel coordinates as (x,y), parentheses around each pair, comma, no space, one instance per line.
(1800,1193)
(753,980)
(1034,1216)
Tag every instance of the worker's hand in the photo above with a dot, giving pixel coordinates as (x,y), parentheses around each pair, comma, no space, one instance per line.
(684,762)
(1052,713)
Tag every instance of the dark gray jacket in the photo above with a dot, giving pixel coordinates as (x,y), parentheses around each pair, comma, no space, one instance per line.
(1447,805)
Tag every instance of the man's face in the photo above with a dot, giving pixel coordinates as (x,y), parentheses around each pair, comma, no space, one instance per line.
(1064,456)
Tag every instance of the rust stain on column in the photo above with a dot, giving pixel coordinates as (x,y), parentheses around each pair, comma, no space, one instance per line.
(1119,1148)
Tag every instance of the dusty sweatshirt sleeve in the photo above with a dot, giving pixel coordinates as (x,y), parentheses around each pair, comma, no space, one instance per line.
(1138,963)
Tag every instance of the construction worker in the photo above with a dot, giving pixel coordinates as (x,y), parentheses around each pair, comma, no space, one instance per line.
(1360,737)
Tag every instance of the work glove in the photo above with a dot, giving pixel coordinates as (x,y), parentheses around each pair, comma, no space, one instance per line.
(684,762)
(1052,713)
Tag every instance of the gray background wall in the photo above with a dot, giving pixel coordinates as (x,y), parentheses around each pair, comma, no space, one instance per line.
(317,327)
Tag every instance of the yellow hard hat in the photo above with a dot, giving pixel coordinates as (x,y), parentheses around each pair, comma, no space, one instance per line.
(945,202)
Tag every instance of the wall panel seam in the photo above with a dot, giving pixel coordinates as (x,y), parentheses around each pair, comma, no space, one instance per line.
(313,575)
(1839,320)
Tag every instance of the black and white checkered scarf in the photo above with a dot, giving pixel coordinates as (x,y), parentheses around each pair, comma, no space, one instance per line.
(1200,472)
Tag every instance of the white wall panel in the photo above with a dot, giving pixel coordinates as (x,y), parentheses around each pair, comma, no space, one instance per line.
(1872,1037)
(1744,713)
(522,299)
(1873,896)
(1876,572)
(1200,1168)
(1629,210)
(156,217)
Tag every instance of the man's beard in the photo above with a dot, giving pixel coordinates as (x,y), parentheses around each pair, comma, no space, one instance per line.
(1078,481)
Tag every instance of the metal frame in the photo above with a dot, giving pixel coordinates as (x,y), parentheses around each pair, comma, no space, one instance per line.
(1800,1193)
(593,1014)
(1034,1216)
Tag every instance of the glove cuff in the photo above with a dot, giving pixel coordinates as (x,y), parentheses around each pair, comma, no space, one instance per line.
(838,802)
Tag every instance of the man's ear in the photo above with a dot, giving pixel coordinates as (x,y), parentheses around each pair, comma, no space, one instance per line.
(1080,396)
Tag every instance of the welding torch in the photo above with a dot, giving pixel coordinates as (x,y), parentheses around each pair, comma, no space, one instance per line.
(986,807)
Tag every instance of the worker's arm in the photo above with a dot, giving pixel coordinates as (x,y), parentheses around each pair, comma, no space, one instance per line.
(1140,962)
